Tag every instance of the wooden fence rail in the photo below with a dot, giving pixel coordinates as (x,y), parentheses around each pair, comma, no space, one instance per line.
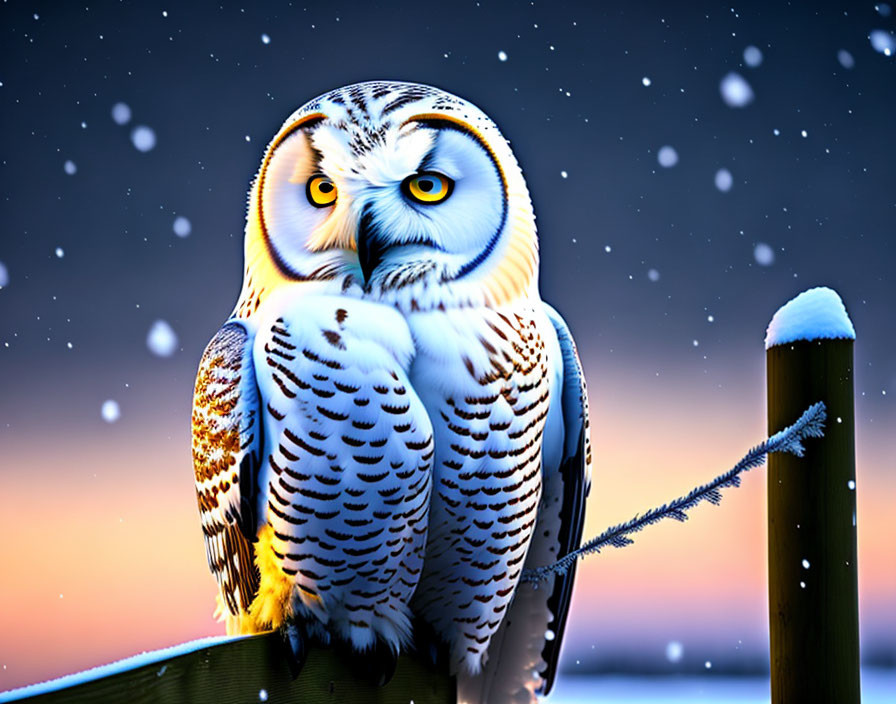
(245,670)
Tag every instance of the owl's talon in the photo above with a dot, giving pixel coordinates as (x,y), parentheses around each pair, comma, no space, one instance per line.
(380,664)
(385,660)
(429,646)
(296,648)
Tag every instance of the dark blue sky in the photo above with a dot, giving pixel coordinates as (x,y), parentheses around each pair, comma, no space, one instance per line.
(570,97)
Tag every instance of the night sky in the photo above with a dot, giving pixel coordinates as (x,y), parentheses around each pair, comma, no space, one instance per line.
(666,278)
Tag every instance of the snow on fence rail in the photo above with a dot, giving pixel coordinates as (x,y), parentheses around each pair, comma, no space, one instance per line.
(813,603)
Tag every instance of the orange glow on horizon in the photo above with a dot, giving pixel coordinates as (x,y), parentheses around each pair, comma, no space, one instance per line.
(99,565)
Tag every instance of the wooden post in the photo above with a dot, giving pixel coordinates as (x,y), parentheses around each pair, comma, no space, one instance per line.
(252,669)
(813,596)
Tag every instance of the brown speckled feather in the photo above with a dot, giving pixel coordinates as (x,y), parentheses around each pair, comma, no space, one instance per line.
(225,462)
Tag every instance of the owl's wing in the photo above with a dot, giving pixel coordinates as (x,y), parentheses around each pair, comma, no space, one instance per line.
(226,455)
(524,653)
(571,491)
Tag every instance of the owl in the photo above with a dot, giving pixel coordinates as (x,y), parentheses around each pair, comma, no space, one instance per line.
(312,452)
(430,196)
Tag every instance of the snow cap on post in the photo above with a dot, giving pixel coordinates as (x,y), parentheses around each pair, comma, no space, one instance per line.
(815,314)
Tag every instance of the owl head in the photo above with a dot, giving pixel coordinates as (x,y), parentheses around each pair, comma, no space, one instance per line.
(403,190)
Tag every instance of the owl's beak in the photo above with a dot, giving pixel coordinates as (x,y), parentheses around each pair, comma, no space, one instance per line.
(371,246)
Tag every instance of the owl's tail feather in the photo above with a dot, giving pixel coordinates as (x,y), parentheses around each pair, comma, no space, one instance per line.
(273,603)
(235,624)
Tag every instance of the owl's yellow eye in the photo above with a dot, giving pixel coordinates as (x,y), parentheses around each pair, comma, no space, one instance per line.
(427,188)
(321,191)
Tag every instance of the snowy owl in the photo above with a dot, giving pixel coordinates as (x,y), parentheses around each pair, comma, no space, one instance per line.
(312,452)
(407,200)
(428,192)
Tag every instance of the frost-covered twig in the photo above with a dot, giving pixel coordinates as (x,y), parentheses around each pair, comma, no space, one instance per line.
(810,424)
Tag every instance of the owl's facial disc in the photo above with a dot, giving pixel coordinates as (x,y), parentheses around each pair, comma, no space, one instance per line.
(449,210)
(424,191)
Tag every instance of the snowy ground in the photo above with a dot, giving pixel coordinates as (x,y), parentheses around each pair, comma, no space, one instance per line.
(878,687)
